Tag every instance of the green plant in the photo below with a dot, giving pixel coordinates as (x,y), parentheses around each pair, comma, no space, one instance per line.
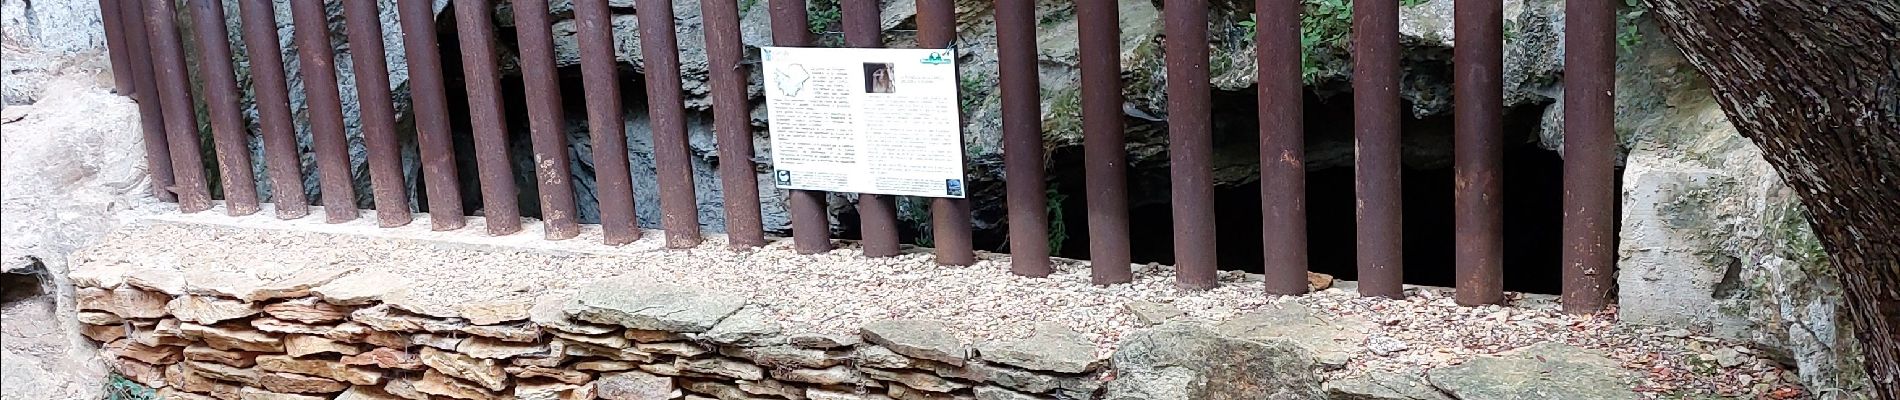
(1325,27)
(118,387)
(746,5)
(1058,230)
(823,15)
(1629,33)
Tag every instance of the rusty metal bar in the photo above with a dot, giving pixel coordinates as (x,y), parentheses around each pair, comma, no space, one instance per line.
(115,47)
(480,66)
(666,111)
(877,214)
(1478,62)
(1375,98)
(732,121)
(326,110)
(429,105)
(614,185)
(534,35)
(950,217)
(158,158)
(181,124)
(1190,143)
(227,123)
(811,224)
(1589,155)
(1104,155)
(1282,147)
(1022,137)
(378,112)
(282,160)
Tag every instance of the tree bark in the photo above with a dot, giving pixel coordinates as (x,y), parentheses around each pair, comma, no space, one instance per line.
(1816,84)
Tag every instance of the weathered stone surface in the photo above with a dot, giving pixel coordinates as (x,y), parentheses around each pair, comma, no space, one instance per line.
(588,350)
(1381,386)
(929,340)
(307,310)
(357,333)
(634,385)
(386,318)
(359,288)
(497,311)
(103,333)
(824,341)
(160,355)
(996,393)
(788,356)
(481,347)
(484,372)
(880,357)
(515,332)
(605,365)
(405,388)
(250,393)
(1151,313)
(603,340)
(673,369)
(821,394)
(915,380)
(209,310)
(281,382)
(554,391)
(750,326)
(326,369)
(182,378)
(273,325)
(772,388)
(239,359)
(99,275)
(1179,361)
(304,345)
(246,376)
(901,392)
(1052,347)
(296,285)
(563,375)
(124,302)
(366,393)
(440,384)
(717,389)
(652,336)
(384,357)
(638,303)
(228,284)
(839,375)
(681,349)
(551,312)
(1025,380)
(234,336)
(1539,371)
(555,357)
(722,366)
(144,374)
(163,333)
(167,281)
(408,299)
(1333,340)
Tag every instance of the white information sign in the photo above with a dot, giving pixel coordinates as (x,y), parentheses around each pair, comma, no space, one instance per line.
(881,121)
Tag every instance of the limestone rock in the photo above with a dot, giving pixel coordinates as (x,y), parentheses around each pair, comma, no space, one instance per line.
(234,337)
(1333,340)
(772,388)
(1381,386)
(1052,347)
(496,311)
(640,304)
(929,340)
(1539,371)
(386,358)
(246,376)
(481,347)
(1151,314)
(880,357)
(159,355)
(788,356)
(162,333)
(515,332)
(366,393)
(821,394)
(99,275)
(634,385)
(1179,361)
(1031,381)
(901,392)
(387,318)
(680,349)
(182,378)
(167,281)
(250,393)
(209,310)
(916,380)
(602,340)
(359,288)
(721,366)
(326,369)
(227,284)
(588,350)
(750,326)
(414,301)
(440,384)
(673,369)
(483,372)
(293,383)
(566,376)
(125,302)
(554,391)
(144,374)
(717,389)
(304,345)
(605,365)
(307,310)
(439,342)
(839,375)
(550,312)
(239,359)
(103,333)
(357,333)
(824,341)
(996,393)
(404,388)
(296,285)
(652,336)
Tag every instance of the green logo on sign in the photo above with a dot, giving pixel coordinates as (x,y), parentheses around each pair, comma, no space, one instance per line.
(937,57)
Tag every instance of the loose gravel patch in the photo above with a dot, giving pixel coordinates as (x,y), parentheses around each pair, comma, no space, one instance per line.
(837,292)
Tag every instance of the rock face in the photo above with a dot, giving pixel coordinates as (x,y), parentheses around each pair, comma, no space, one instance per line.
(1182,360)
(1541,371)
(1333,340)
(634,304)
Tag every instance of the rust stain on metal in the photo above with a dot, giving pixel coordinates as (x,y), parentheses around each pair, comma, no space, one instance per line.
(181,121)
(493,166)
(378,113)
(542,88)
(158,157)
(429,101)
(1104,154)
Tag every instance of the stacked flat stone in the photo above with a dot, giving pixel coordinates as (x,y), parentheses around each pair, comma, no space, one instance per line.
(343,334)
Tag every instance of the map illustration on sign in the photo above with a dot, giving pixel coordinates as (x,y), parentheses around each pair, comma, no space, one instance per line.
(879,121)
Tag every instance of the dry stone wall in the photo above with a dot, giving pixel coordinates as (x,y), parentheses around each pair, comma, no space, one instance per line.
(315,336)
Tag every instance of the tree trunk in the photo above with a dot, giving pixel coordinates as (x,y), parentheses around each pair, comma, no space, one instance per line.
(1816,84)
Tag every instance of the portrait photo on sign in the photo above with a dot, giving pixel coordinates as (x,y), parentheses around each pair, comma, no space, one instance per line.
(878,78)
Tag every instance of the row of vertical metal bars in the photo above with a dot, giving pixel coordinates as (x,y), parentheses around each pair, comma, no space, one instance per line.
(150,66)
